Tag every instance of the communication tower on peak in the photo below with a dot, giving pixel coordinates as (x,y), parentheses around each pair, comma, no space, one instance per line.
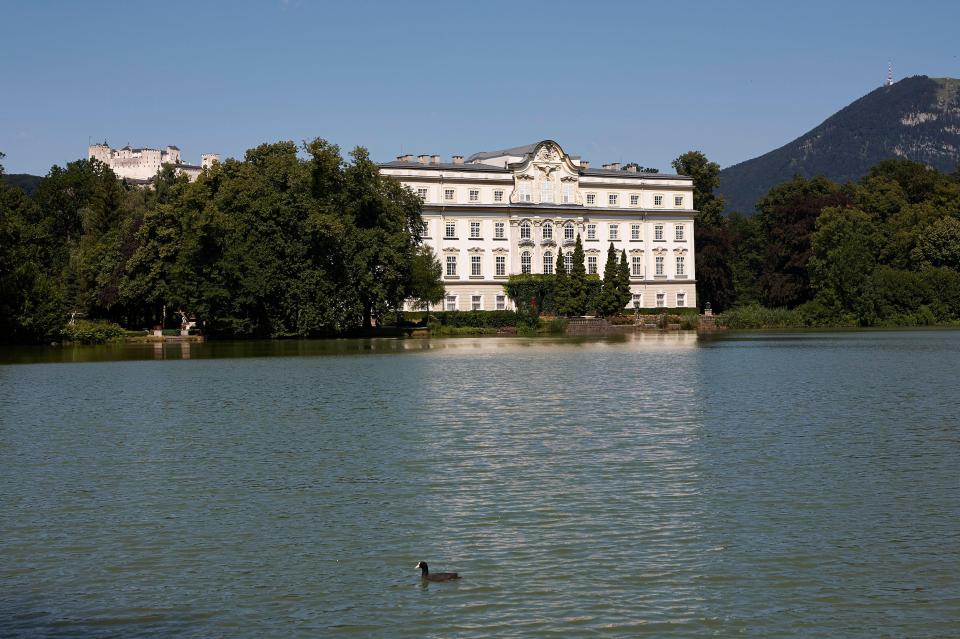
(889,82)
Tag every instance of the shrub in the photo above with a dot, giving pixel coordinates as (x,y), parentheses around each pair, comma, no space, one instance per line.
(485,319)
(757,316)
(92,332)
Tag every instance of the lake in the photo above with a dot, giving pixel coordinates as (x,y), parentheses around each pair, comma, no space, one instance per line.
(748,484)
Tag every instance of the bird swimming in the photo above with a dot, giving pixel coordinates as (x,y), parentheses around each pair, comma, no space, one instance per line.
(437,576)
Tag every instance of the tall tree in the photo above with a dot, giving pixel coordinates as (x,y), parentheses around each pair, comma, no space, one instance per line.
(577,291)
(843,255)
(788,215)
(607,303)
(712,237)
(623,283)
(561,290)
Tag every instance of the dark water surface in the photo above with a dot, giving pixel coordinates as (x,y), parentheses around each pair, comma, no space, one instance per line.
(769,485)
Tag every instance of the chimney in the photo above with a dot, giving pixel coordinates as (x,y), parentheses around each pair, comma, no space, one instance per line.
(435,159)
(424,159)
(457,159)
(584,164)
(405,158)
(615,166)
(632,168)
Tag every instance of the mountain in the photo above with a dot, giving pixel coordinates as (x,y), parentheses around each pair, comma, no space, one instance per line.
(25,181)
(916,118)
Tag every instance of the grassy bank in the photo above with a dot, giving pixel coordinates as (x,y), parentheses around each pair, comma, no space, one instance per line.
(812,315)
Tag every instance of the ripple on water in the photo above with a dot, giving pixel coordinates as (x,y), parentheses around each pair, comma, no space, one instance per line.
(791,485)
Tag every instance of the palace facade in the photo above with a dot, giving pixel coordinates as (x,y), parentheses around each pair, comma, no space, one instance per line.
(506,212)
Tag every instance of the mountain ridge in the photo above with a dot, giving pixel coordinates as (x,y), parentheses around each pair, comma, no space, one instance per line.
(917,118)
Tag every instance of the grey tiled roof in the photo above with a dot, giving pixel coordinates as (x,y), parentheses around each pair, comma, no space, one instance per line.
(627,174)
(517,150)
(443,166)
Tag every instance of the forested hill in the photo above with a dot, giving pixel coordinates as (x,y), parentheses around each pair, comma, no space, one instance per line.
(916,118)
(25,181)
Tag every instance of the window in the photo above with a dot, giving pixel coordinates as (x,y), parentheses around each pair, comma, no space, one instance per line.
(525,262)
(614,232)
(591,231)
(612,199)
(451,304)
(524,230)
(678,233)
(592,264)
(591,198)
(474,195)
(547,231)
(661,300)
(548,263)
(637,300)
(681,272)
(525,192)
(474,230)
(498,196)
(658,200)
(568,261)
(451,230)
(658,233)
(448,195)
(567,193)
(498,230)
(422,194)
(634,200)
(568,231)
(476,302)
(546,191)
(659,263)
(678,201)
(475,265)
(451,265)
(501,302)
(501,262)
(634,232)
(425,229)
(681,299)
(636,263)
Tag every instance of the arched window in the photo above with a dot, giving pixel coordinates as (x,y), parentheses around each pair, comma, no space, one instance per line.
(568,231)
(547,231)
(525,262)
(524,230)
(548,263)
(568,261)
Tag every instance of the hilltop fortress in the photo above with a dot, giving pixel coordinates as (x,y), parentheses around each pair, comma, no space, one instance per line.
(140,165)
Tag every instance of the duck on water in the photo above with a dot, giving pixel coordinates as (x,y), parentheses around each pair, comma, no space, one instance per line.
(437,576)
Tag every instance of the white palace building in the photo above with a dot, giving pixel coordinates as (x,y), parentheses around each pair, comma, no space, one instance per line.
(505,212)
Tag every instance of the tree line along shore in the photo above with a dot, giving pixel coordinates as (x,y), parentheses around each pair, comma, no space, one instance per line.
(296,241)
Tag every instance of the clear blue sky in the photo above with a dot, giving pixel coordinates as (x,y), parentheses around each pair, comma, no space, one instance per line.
(631,81)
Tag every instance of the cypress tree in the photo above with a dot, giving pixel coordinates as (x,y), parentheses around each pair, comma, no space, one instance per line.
(561,290)
(577,286)
(624,283)
(609,291)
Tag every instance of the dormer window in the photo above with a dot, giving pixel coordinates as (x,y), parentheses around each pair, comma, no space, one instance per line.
(612,199)
(448,195)
(568,193)
(546,191)
(591,198)
(525,195)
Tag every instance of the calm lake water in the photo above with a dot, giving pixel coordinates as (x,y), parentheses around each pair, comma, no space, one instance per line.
(769,485)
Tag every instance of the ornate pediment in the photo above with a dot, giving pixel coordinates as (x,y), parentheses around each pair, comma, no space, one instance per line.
(635,251)
(450,249)
(659,251)
(474,249)
(545,172)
